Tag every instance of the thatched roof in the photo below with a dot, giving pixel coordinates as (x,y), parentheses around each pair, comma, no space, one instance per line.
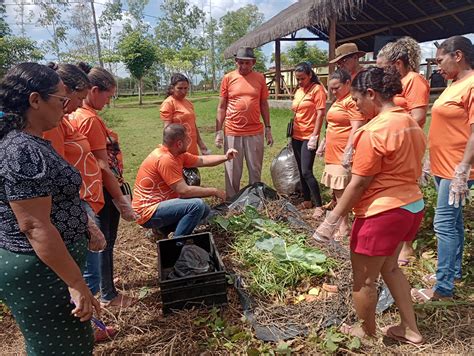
(360,20)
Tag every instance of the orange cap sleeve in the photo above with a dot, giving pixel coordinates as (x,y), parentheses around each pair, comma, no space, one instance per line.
(319,97)
(468,102)
(417,93)
(264,94)
(225,86)
(355,114)
(167,110)
(368,154)
(189,160)
(95,132)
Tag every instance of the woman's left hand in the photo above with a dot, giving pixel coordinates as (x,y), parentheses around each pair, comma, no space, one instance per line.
(327,229)
(458,189)
(97,239)
(313,143)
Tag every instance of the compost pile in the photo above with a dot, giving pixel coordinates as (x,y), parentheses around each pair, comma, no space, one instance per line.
(287,286)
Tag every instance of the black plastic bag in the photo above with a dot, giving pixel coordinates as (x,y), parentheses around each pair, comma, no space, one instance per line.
(191,261)
(192,176)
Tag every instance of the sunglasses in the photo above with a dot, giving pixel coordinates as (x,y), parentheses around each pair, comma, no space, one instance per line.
(64,99)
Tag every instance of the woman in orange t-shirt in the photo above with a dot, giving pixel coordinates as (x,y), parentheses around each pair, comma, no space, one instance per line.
(105,147)
(451,144)
(176,109)
(309,106)
(404,55)
(343,119)
(386,199)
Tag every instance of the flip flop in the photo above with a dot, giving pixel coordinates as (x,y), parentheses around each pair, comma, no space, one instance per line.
(419,295)
(403,262)
(388,333)
(429,278)
(104,335)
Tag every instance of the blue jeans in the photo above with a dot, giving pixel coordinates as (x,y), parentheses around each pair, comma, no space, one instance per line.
(92,268)
(178,215)
(449,230)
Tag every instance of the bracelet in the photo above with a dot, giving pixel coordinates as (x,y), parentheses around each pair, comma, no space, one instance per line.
(268,127)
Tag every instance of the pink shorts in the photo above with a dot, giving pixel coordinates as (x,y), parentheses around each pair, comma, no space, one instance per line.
(379,235)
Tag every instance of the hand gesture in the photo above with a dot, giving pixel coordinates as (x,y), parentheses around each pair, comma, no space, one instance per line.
(231,153)
(326,230)
(220,194)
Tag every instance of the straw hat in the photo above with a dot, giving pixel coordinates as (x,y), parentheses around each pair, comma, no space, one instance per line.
(245,53)
(346,49)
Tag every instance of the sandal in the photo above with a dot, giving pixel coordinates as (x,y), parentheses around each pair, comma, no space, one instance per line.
(318,213)
(402,262)
(104,335)
(119,301)
(420,295)
(431,279)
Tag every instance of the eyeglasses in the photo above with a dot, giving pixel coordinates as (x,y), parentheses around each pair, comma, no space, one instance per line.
(64,99)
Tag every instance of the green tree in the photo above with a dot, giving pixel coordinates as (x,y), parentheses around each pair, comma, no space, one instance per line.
(139,54)
(14,50)
(136,9)
(111,13)
(51,18)
(4,28)
(302,52)
(180,47)
(236,24)
(82,41)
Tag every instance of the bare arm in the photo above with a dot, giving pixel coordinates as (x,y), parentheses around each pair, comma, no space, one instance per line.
(468,157)
(189,191)
(319,118)
(419,114)
(200,142)
(221,110)
(355,124)
(33,216)
(352,194)
(265,112)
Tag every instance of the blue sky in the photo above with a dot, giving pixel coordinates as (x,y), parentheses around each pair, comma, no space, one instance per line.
(218,7)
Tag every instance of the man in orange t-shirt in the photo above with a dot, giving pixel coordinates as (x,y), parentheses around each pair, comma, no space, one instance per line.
(243,99)
(161,197)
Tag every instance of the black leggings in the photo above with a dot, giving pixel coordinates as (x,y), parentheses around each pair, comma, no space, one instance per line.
(305,160)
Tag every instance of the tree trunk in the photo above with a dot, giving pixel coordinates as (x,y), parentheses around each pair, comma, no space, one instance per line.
(140,88)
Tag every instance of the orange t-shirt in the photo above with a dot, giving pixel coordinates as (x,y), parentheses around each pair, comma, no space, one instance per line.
(305,105)
(181,112)
(452,117)
(390,148)
(100,137)
(157,173)
(75,149)
(244,95)
(339,128)
(415,93)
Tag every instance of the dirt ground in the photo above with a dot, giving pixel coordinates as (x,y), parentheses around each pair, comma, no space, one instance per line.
(143,329)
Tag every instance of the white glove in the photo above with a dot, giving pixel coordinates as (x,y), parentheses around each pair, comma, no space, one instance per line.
(347,157)
(219,141)
(458,189)
(97,239)
(124,206)
(269,136)
(425,172)
(313,143)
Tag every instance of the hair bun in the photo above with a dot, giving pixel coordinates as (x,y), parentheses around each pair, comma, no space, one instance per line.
(53,66)
(86,68)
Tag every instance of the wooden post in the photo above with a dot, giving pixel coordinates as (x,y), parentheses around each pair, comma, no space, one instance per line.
(291,82)
(277,68)
(332,43)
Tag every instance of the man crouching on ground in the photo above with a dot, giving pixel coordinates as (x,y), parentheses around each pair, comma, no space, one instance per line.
(161,196)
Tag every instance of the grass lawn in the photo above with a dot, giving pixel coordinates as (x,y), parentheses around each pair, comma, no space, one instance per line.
(140,130)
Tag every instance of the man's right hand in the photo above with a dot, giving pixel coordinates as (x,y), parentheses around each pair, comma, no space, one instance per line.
(220,194)
(219,141)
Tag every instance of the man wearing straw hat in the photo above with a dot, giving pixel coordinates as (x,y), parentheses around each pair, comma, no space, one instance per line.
(347,58)
(243,99)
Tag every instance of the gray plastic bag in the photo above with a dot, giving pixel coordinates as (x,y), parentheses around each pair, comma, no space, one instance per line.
(284,171)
